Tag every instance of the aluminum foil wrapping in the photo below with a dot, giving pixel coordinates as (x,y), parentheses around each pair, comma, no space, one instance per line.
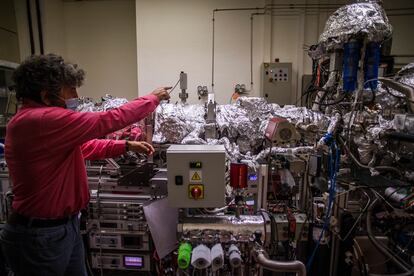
(366,149)
(390,102)
(368,126)
(406,70)
(206,228)
(279,150)
(87,105)
(406,75)
(232,149)
(354,19)
(241,122)
(241,125)
(176,122)
(333,125)
(110,102)
(385,100)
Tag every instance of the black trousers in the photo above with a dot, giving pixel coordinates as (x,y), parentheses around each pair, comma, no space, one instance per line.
(45,251)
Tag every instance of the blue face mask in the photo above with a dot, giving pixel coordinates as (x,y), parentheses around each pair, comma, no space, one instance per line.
(72,103)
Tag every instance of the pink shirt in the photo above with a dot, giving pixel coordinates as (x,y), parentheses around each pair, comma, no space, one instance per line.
(45,151)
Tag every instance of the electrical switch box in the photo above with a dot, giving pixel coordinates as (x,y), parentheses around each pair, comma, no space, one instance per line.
(196,176)
(277,82)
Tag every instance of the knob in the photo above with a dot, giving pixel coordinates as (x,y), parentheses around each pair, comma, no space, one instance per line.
(196,192)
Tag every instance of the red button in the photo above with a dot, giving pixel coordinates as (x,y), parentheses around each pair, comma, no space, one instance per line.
(196,192)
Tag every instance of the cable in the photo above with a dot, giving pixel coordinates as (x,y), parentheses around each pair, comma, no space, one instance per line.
(358,219)
(331,103)
(333,168)
(360,264)
(98,201)
(405,98)
(380,196)
(366,166)
(377,244)
(172,89)
(396,96)
(361,256)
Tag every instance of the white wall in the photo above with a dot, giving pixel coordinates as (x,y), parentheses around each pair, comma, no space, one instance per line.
(128,46)
(176,35)
(54,29)
(99,36)
(9,43)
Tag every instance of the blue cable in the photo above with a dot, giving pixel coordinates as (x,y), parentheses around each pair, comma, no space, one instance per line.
(333,169)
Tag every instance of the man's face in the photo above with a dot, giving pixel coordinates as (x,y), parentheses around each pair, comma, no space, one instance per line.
(69,93)
(65,93)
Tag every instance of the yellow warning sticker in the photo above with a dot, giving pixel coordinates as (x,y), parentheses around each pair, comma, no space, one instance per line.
(196,176)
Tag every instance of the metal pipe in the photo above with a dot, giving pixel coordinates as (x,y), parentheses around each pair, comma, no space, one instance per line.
(408,91)
(251,52)
(378,245)
(39,27)
(267,7)
(228,223)
(388,168)
(251,46)
(278,266)
(212,56)
(29,21)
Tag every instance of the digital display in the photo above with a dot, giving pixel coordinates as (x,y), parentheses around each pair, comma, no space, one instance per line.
(252,177)
(196,165)
(133,261)
(250,202)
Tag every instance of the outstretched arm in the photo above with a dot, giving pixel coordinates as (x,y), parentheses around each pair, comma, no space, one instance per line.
(103,148)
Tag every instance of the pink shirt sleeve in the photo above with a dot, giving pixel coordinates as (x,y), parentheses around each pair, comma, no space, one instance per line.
(97,149)
(65,129)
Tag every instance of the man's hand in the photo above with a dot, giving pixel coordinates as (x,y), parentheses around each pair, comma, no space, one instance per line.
(140,147)
(162,93)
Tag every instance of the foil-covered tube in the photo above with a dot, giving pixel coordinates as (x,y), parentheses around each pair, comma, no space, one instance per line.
(333,125)
(241,126)
(278,150)
(366,18)
(174,122)
(329,83)
(109,102)
(246,225)
(87,105)
(365,149)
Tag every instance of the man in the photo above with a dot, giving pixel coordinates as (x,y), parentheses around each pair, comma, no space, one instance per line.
(46,145)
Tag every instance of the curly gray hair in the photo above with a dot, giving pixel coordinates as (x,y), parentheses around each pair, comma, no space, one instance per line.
(47,73)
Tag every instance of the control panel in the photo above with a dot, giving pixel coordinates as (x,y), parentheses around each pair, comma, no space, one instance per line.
(120,240)
(196,176)
(277,82)
(291,226)
(121,261)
